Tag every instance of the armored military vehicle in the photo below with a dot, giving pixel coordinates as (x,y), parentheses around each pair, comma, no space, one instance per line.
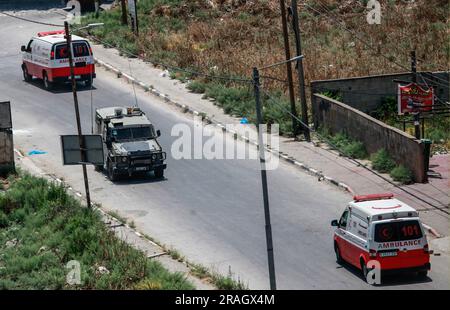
(130,142)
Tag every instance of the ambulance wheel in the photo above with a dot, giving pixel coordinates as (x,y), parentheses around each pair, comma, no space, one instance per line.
(364,269)
(422,274)
(47,84)
(338,254)
(159,173)
(26,76)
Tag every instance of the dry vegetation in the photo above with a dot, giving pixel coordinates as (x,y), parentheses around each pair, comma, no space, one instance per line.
(230,37)
(233,36)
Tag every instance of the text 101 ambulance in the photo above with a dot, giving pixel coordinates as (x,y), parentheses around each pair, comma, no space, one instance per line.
(46,58)
(379,230)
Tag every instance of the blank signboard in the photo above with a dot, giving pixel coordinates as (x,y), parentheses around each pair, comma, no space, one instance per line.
(5,115)
(71,150)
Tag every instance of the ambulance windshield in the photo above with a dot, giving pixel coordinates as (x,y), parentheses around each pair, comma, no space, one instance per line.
(398,231)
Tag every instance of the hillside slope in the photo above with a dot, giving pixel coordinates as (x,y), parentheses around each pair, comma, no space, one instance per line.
(232,36)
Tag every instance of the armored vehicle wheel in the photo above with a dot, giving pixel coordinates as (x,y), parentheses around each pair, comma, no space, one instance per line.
(159,173)
(111,175)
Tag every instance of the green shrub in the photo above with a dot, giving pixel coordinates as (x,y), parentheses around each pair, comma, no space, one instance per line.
(3,220)
(50,228)
(355,149)
(349,147)
(197,87)
(336,95)
(402,174)
(387,110)
(382,162)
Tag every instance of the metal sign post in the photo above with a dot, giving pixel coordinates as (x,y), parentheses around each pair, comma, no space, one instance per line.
(93,150)
(77,112)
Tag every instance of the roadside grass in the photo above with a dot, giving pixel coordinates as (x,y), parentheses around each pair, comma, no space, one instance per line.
(197,270)
(42,228)
(402,175)
(347,146)
(117,216)
(221,282)
(382,162)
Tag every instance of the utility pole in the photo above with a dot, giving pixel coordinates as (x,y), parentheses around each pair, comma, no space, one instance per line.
(124,12)
(97,8)
(77,112)
(289,68)
(262,160)
(414,79)
(300,72)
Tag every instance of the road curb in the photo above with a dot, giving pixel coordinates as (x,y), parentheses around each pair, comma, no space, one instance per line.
(188,109)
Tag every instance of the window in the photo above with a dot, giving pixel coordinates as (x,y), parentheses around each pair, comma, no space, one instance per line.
(133,133)
(397,231)
(343,220)
(122,134)
(80,49)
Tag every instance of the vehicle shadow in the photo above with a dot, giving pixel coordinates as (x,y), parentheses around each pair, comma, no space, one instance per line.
(401,278)
(60,88)
(147,178)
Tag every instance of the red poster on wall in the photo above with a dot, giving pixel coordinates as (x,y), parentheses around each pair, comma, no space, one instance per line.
(413,98)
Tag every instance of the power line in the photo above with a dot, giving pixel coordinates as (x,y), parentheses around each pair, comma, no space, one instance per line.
(322,89)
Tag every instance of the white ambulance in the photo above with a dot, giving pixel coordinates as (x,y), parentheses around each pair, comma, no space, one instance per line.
(46,58)
(383,229)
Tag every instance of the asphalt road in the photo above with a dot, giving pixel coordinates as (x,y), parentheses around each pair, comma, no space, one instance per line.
(209,210)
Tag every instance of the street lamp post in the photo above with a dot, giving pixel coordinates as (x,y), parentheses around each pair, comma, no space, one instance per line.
(262,160)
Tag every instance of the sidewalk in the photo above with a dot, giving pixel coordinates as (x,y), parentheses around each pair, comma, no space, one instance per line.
(315,158)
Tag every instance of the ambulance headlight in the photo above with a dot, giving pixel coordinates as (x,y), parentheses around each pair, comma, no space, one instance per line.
(124,159)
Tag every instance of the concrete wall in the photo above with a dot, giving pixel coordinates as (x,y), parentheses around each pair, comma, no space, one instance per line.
(6,151)
(366,93)
(375,135)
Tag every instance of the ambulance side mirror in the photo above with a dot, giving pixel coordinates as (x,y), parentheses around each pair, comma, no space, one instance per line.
(158,133)
(23,48)
(335,223)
